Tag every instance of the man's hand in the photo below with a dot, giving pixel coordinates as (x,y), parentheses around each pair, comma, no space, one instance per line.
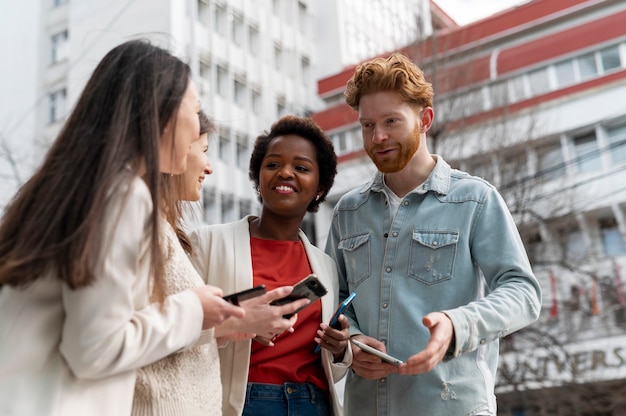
(368,365)
(441,334)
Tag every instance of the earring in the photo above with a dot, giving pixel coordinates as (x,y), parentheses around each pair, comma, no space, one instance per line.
(317,197)
(258,191)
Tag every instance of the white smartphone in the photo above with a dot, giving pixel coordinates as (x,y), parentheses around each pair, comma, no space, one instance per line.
(386,358)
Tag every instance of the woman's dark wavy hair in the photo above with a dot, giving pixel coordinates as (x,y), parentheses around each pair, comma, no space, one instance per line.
(53,221)
(308,129)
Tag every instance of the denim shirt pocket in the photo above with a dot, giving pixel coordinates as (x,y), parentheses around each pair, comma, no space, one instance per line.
(356,255)
(431,259)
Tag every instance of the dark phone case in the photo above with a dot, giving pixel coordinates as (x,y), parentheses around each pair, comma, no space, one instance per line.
(235,298)
(310,287)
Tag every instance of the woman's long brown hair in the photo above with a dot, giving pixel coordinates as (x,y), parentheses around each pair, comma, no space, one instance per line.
(52,223)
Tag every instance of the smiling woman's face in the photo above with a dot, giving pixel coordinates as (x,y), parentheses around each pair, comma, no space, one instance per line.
(289,177)
(198,166)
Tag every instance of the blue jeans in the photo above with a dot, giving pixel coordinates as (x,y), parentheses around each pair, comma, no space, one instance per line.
(290,399)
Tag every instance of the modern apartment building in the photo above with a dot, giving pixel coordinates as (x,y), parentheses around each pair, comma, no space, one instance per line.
(254,61)
(532,99)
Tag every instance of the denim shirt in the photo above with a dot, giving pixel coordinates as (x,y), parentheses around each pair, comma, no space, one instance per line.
(452,247)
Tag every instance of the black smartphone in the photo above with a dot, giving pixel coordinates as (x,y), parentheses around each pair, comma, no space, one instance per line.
(334,320)
(235,298)
(310,287)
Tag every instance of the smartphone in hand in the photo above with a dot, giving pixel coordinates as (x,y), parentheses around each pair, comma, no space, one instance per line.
(334,321)
(310,287)
(385,357)
(235,298)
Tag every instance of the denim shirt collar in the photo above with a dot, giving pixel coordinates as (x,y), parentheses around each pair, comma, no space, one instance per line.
(438,180)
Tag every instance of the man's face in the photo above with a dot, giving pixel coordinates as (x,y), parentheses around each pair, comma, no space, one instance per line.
(391,130)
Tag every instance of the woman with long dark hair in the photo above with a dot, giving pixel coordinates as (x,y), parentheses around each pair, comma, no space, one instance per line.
(82,294)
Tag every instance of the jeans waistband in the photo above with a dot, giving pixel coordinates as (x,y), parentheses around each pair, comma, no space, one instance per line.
(287,391)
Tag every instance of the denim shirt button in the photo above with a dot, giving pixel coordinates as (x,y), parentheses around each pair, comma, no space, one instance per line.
(385,305)
(435,243)
(388,269)
(395,234)
(383,380)
(385,235)
(405,203)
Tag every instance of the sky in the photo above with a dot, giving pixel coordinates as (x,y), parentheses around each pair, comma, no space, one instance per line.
(466,11)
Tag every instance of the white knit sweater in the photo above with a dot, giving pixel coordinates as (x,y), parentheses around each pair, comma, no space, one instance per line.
(188,382)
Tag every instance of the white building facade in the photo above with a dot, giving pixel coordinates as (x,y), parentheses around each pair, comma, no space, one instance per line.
(253,60)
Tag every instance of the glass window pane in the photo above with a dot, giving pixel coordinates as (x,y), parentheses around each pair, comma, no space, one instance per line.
(613,242)
(565,73)
(610,58)
(587,65)
(587,153)
(550,162)
(498,95)
(518,91)
(539,82)
(617,143)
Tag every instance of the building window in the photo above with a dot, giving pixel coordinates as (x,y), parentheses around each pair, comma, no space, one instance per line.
(204,11)
(302,17)
(498,96)
(305,66)
(587,153)
(210,206)
(565,74)
(617,143)
(57,105)
(222,81)
(228,209)
(243,152)
(238,30)
(253,40)
(517,89)
(245,207)
(224,151)
(550,162)
(220,20)
(539,81)
(535,247)
(278,57)
(58,47)
(340,142)
(256,102)
(240,93)
(587,66)
(280,109)
(575,245)
(612,239)
(610,58)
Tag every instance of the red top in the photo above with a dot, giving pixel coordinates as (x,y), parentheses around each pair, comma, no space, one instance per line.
(279,263)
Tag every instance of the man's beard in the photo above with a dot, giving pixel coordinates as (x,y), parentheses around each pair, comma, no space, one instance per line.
(406,150)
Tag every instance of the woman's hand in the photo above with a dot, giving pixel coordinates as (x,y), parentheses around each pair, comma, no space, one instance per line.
(261,318)
(216,310)
(334,340)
